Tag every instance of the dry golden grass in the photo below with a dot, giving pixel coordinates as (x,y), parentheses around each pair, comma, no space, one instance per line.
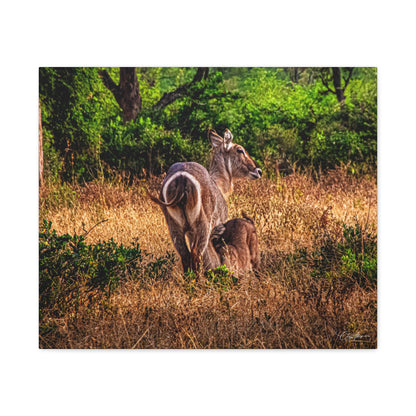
(285,308)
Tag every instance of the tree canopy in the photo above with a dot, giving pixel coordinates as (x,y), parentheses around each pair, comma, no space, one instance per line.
(141,120)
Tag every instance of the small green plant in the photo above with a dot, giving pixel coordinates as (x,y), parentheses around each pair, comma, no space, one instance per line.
(359,255)
(190,280)
(220,278)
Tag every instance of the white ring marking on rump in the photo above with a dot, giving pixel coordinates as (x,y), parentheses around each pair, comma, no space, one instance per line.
(174,212)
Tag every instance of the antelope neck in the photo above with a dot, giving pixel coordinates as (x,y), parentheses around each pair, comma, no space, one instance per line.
(220,172)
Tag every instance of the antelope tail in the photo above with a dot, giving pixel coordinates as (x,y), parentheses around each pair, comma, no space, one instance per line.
(175,201)
(180,194)
(245,216)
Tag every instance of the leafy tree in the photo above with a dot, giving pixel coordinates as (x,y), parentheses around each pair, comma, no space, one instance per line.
(128,96)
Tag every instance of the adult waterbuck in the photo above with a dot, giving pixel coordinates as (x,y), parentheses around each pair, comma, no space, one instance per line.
(236,243)
(193,199)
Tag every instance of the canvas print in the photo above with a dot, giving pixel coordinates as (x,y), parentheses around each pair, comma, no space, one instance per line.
(208,208)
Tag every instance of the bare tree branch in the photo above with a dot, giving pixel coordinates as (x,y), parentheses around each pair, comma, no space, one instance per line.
(325,83)
(109,83)
(170,97)
(347,80)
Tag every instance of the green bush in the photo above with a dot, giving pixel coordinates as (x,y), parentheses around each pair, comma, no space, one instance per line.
(144,146)
(338,147)
(350,261)
(70,269)
(359,256)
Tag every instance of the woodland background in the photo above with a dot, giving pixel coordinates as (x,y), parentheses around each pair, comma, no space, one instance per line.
(99,120)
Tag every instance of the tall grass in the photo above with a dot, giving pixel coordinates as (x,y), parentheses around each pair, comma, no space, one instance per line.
(317,279)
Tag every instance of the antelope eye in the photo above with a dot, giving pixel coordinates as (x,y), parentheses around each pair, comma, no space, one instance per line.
(240,150)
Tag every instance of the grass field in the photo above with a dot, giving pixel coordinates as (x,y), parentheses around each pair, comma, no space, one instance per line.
(317,286)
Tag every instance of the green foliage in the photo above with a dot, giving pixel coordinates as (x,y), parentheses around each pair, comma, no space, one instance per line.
(161,267)
(145,146)
(190,282)
(353,260)
(75,108)
(340,146)
(274,117)
(271,112)
(70,270)
(359,256)
(220,278)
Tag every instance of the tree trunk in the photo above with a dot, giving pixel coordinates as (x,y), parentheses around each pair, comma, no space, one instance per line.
(339,91)
(40,149)
(130,100)
(336,77)
(127,93)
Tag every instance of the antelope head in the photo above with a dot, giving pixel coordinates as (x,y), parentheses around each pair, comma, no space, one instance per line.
(236,160)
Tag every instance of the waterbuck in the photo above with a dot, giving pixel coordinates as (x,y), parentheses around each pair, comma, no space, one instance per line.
(193,199)
(236,243)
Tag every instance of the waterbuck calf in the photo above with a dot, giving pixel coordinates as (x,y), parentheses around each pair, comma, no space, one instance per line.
(193,199)
(236,243)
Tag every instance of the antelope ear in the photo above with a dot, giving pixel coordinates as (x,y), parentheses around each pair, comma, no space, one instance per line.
(218,231)
(228,138)
(215,139)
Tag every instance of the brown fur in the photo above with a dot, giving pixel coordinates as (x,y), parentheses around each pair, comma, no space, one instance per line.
(236,243)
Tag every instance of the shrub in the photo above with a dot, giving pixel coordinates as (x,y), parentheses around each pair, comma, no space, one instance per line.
(359,256)
(70,270)
(350,261)
(341,146)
